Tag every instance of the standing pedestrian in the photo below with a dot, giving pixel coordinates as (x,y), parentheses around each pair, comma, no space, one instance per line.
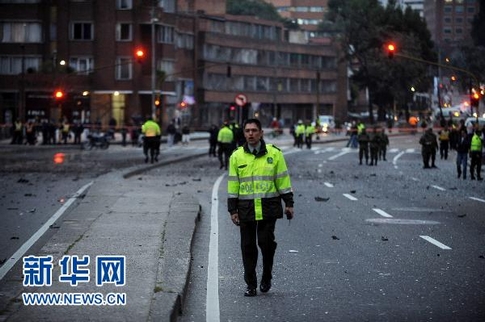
(363,139)
(151,141)
(185,135)
(225,139)
(171,131)
(213,131)
(309,131)
(429,146)
(17,132)
(476,145)
(258,181)
(462,147)
(384,143)
(375,142)
(444,138)
(300,134)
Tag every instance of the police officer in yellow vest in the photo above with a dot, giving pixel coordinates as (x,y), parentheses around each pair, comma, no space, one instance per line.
(444,138)
(300,133)
(476,155)
(309,131)
(225,140)
(258,181)
(151,141)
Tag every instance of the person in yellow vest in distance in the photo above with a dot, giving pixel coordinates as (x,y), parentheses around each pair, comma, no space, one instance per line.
(300,134)
(17,132)
(151,139)
(476,155)
(309,131)
(444,138)
(226,144)
(257,184)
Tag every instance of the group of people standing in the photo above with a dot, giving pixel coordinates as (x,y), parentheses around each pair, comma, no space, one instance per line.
(466,143)
(51,132)
(375,142)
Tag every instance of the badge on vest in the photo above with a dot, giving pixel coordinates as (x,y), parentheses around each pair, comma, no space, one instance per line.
(269,160)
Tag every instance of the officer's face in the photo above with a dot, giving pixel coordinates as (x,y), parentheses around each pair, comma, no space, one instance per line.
(252,133)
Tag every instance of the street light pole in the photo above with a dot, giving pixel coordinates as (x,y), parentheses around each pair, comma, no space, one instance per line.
(153,20)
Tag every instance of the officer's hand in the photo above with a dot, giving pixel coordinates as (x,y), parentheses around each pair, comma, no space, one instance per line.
(289,213)
(235,218)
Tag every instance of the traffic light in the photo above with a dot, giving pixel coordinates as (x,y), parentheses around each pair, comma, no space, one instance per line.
(183,105)
(59,94)
(139,55)
(475,99)
(391,50)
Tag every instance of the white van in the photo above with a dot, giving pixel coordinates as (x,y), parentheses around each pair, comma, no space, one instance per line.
(327,123)
(470,121)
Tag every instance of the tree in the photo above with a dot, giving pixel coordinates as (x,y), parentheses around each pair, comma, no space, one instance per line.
(260,9)
(365,27)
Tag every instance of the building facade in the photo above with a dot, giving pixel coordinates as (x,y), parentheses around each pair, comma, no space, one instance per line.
(195,61)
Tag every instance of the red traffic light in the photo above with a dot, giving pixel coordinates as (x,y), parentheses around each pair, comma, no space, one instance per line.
(475,99)
(140,55)
(58,94)
(391,49)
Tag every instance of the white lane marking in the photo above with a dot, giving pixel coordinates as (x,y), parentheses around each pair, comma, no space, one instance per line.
(33,239)
(212,313)
(328,184)
(338,155)
(410,150)
(438,187)
(402,221)
(393,150)
(477,199)
(396,157)
(435,242)
(382,212)
(350,197)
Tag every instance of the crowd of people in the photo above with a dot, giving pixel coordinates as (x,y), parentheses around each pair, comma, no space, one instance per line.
(467,142)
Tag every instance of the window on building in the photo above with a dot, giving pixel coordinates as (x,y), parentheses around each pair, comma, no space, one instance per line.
(470,10)
(249,83)
(124,32)
(167,5)
(185,41)
(165,34)
(459,9)
(20,32)
(459,31)
(447,31)
(82,31)
(262,84)
(448,9)
(12,65)
(82,65)
(168,66)
(123,68)
(459,20)
(124,4)
(447,20)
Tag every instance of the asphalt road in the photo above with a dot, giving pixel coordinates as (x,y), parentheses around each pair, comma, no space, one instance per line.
(388,243)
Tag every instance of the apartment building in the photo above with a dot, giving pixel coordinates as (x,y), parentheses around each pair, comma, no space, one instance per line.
(196,60)
(450,21)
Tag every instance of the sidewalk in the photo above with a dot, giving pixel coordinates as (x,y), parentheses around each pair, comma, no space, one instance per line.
(138,219)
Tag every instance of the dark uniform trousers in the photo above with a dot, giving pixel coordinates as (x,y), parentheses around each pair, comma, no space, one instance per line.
(264,230)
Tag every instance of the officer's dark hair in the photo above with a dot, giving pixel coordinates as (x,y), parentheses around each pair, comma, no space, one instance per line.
(253,121)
